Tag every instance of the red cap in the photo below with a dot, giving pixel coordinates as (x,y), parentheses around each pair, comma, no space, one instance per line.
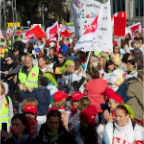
(89,115)
(108,92)
(30,108)
(117,98)
(59,96)
(76,96)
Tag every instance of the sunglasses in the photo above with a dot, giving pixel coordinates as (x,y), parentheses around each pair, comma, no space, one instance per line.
(59,57)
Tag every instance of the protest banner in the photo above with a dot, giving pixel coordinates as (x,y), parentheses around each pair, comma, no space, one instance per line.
(133,28)
(38,32)
(84,13)
(53,31)
(119,26)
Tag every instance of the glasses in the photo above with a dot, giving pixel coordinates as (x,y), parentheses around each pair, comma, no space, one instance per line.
(53,123)
(60,57)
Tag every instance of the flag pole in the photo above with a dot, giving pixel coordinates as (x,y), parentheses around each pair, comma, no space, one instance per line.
(88,58)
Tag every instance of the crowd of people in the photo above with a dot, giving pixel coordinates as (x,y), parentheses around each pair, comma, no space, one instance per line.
(49,95)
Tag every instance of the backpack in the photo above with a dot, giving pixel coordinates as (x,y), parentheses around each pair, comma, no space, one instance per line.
(7,99)
(122,91)
(133,125)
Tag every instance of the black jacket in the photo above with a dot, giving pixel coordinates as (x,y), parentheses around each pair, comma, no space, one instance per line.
(65,138)
(8,78)
(57,64)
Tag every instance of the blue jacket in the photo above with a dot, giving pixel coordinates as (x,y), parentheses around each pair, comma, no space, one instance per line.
(43,105)
(64,48)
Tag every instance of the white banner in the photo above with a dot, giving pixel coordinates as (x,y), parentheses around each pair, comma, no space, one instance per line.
(133,28)
(90,35)
(84,14)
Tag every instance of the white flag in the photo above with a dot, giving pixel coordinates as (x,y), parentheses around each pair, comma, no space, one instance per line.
(84,14)
(90,35)
(69,29)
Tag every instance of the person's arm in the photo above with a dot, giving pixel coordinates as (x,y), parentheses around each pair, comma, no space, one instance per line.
(78,84)
(15,70)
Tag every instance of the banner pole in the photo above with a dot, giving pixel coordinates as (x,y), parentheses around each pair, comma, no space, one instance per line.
(88,58)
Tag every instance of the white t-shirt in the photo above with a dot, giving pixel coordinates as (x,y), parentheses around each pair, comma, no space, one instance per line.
(43,70)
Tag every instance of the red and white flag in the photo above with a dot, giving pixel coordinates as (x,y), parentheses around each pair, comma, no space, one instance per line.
(28,36)
(90,35)
(53,32)
(133,28)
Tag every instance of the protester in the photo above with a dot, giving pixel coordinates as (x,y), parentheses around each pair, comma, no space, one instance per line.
(6,107)
(95,95)
(60,62)
(9,79)
(63,47)
(132,71)
(20,133)
(125,59)
(42,64)
(52,55)
(116,57)
(87,130)
(30,112)
(41,94)
(129,132)
(53,131)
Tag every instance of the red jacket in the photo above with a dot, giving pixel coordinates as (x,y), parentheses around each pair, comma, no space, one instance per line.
(93,90)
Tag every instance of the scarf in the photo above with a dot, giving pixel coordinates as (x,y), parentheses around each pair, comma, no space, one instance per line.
(109,71)
(129,71)
(22,139)
(52,134)
(32,128)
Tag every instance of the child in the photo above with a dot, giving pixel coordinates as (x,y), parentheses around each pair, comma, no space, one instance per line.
(29,108)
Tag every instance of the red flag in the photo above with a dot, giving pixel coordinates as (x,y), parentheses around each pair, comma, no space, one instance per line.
(53,31)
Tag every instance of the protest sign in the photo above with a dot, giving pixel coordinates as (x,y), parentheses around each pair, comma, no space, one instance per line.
(38,32)
(119,26)
(53,31)
(133,28)
(84,13)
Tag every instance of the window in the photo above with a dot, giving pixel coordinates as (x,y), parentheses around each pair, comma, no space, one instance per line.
(138,8)
(118,5)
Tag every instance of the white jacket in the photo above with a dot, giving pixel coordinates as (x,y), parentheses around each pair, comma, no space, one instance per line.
(124,135)
(111,77)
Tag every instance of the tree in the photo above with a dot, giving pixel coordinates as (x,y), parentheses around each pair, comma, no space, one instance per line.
(19,19)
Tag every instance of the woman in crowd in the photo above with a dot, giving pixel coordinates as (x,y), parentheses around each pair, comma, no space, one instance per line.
(53,131)
(125,45)
(6,107)
(123,65)
(132,70)
(114,77)
(95,95)
(101,64)
(87,133)
(122,130)
(52,55)
(59,100)
(70,79)
(19,132)
(116,57)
